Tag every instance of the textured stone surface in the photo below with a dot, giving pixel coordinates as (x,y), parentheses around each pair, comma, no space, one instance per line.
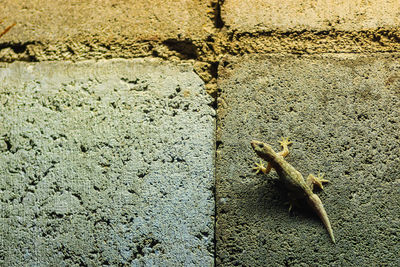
(76,30)
(309,26)
(343,114)
(292,15)
(136,20)
(105,163)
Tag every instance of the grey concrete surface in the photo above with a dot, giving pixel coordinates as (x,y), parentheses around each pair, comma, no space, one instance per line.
(342,113)
(105,163)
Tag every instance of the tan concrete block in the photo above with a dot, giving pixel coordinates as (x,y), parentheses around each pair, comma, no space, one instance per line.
(102,20)
(289,15)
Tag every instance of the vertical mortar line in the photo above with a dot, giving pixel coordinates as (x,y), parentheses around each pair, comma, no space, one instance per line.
(215,191)
(215,160)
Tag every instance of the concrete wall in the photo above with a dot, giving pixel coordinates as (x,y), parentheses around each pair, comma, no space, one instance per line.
(125,131)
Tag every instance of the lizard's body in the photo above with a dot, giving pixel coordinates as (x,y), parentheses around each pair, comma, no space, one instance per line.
(292,179)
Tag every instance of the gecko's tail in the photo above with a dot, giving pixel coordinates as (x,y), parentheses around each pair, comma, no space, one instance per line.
(316,203)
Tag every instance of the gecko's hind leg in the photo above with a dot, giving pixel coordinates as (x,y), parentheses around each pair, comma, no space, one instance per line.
(312,180)
(261,168)
(293,201)
(284,144)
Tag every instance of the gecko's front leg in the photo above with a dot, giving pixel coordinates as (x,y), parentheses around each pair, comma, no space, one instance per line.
(261,168)
(285,151)
(284,144)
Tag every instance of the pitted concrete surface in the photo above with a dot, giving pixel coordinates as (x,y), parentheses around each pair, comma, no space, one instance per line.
(105,163)
(104,29)
(310,27)
(98,161)
(108,21)
(342,113)
(295,15)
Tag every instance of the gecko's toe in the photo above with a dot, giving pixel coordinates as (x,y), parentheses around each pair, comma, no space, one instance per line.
(259,168)
(285,141)
(318,181)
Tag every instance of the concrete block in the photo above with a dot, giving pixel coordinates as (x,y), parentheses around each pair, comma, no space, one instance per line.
(105,163)
(105,20)
(310,27)
(342,113)
(295,15)
(81,30)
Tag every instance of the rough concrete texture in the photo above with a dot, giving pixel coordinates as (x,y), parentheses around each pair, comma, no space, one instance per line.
(139,20)
(51,30)
(310,26)
(202,31)
(342,113)
(105,163)
(293,15)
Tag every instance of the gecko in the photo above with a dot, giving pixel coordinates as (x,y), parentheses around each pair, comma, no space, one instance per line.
(292,179)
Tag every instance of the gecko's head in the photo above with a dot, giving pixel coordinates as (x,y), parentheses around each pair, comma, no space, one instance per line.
(263,150)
